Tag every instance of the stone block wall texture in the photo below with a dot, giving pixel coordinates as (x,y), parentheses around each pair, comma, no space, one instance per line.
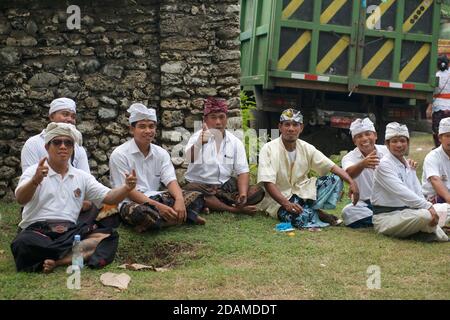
(167,54)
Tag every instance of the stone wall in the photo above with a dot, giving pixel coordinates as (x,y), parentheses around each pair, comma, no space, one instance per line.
(167,54)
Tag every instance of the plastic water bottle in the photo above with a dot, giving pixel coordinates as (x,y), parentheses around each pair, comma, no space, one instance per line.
(77,252)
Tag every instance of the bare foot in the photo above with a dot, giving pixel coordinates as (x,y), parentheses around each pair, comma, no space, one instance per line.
(49,265)
(206,210)
(199,220)
(328,218)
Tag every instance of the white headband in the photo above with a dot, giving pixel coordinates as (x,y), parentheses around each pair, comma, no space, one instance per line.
(395,129)
(62,129)
(62,104)
(361,125)
(444,125)
(140,112)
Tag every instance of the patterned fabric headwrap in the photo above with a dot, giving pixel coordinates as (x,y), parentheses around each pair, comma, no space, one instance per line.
(291,115)
(215,105)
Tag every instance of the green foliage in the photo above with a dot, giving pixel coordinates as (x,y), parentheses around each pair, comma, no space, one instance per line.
(337,158)
(445,9)
(248,104)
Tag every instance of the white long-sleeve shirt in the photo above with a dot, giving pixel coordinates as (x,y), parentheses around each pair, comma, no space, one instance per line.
(290,178)
(397,185)
(436,163)
(365,179)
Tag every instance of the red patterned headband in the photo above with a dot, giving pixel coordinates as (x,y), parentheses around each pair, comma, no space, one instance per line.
(215,105)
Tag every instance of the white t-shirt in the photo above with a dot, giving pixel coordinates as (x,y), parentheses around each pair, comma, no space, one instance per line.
(58,198)
(365,178)
(443,88)
(292,155)
(397,185)
(34,150)
(436,163)
(214,167)
(151,171)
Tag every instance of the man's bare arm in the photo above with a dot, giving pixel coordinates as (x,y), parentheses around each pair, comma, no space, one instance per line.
(440,188)
(276,194)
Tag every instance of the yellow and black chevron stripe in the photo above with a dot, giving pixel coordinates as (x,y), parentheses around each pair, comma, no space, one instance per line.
(305,37)
(376,60)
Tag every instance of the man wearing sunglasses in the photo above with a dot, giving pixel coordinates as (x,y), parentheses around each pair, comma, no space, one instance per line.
(62,110)
(52,193)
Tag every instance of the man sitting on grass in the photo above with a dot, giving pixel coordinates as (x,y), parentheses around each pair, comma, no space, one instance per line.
(147,207)
(360,164)
(436,168)
(215,156)
(53,192)
(399,207)
(61,110)
(284,166)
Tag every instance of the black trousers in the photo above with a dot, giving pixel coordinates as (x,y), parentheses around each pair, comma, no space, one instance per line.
(38,242)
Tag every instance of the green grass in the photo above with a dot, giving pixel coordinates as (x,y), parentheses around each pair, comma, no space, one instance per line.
(421,145)
(241,257)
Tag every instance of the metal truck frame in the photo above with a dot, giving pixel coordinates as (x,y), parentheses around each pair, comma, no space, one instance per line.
(338,60)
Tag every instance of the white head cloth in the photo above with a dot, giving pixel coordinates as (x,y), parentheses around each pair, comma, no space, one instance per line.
(395,129)
(140,112)
(361,125)
(444,125)
(62,104)
(55,129)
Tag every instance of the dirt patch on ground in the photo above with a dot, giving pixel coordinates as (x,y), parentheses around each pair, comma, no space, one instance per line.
(161,254)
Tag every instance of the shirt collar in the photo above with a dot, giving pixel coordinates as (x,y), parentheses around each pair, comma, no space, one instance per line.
(360,155)
(71,170)
(441,150)
(226,138)
(52,172)
(226,134)
(135,149)
(398,162)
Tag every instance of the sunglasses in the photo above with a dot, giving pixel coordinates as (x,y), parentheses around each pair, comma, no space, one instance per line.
(58,142)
